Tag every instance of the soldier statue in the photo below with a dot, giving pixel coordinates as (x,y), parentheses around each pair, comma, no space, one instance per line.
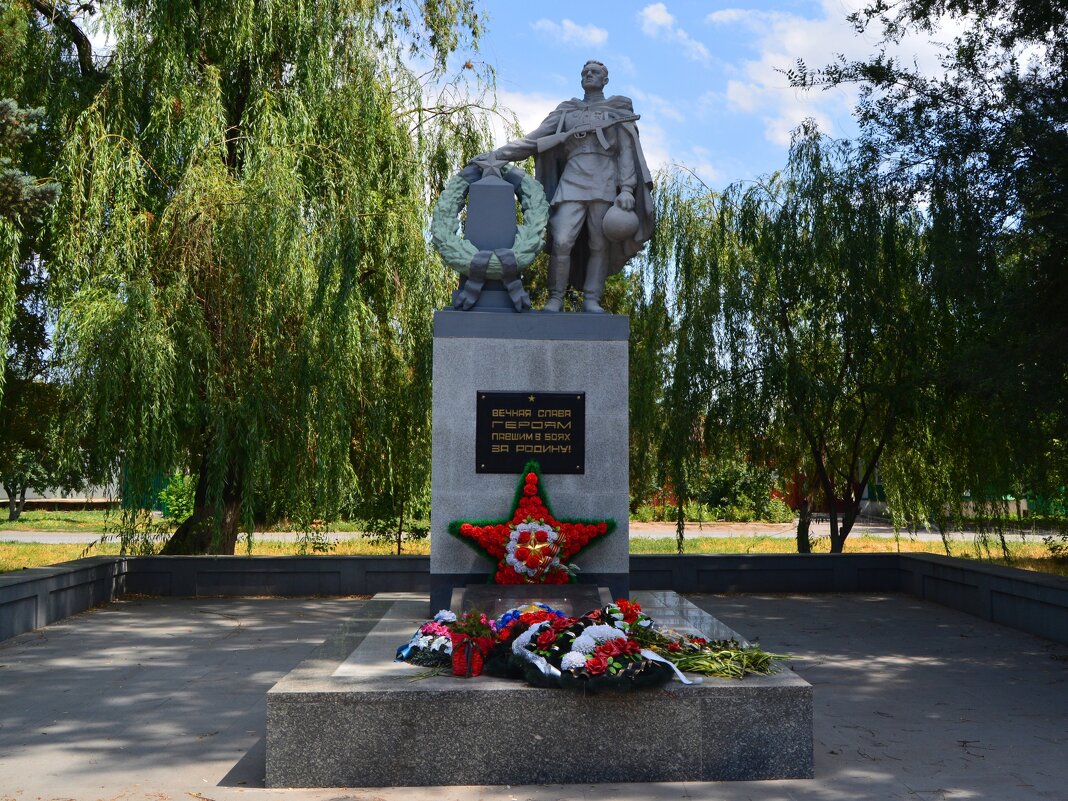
(589,160)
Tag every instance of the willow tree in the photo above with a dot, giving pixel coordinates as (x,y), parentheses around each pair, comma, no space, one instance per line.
(240,264)
(983,143)
(801,310)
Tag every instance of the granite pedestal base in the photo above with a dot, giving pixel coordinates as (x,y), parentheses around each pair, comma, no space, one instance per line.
(533,353)
(352,717)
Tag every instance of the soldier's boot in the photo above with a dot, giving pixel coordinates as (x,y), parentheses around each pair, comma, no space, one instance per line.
(596,273)
(559,272)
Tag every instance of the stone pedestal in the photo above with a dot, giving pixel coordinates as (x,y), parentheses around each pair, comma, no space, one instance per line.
(532,352)
(350,716)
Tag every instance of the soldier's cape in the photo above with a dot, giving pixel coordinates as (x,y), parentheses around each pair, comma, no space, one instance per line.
(549,166)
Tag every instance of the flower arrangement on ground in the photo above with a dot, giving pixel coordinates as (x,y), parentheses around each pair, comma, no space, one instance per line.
(531,546)
(727,659)
(462,642)
(431,645)
(617,648)
(473,635)
(583,653)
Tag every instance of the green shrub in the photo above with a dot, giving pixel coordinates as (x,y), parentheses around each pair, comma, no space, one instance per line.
(741,514)
(645,514)
(779,512)
(742,510)
(695,510)
(176,499)
(741,489)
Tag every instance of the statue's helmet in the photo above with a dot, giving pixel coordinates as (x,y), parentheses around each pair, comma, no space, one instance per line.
(620,224)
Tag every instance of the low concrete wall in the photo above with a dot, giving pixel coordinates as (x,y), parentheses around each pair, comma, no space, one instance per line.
(1021,599)
(36,597)
(286,576)
(775,573)
(1032,602)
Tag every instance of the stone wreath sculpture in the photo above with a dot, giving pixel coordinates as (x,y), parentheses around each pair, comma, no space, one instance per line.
(503,264)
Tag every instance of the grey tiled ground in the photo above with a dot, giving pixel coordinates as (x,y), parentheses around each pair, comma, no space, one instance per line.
(164,699)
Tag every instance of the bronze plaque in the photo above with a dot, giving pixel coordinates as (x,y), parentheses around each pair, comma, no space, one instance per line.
(511,428)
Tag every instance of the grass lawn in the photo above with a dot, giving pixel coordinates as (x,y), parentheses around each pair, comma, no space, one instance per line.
(1029,556)
(98,521)
(89,522)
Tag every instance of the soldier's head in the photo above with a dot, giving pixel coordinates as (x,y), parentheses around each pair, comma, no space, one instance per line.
(594,75)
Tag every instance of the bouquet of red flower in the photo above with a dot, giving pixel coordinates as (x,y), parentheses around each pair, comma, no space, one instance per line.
(473,636)
(532,546)
(590,652)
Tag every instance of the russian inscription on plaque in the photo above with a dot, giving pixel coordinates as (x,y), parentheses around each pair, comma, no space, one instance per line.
(511,428)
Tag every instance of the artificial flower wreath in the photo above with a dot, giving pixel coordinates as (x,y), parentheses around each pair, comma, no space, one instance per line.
(531,546)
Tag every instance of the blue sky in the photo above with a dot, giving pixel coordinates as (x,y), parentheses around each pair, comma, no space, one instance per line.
(703,75)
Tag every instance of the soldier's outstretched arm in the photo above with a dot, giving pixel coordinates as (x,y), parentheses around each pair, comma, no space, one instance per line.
(528,146)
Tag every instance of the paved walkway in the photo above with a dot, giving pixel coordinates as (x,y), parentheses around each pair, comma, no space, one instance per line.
(163,699)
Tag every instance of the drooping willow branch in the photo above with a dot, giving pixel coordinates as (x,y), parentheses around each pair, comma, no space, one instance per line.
(69,27)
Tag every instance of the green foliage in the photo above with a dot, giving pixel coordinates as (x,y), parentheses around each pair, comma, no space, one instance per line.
(31,452)
(239,255)
(177,497)
(645,300)
(138,532)
(778,511)
(46,87)
(984,144)
(22,197)
(737,488)
(23,202)
(645,513)
(774,511)
(801,319)
(396,532)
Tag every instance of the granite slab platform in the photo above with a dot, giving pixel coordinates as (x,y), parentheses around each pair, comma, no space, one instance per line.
(356,718)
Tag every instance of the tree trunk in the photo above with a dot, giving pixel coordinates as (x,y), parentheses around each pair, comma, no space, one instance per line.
(850,512)
(837,538)
(680,528)
(201,533)
(804,520)
(13,508)
(945,539)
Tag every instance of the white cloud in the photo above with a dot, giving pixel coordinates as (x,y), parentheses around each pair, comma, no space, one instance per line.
(727,15)
(761,87)
(742,95)
(654,145)
(658,23)
(657,105)
(655,18)
(571,33)
(750,17)
(529,108)
(700,161)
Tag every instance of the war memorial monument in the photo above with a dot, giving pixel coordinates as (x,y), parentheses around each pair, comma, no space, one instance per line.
(532,405)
